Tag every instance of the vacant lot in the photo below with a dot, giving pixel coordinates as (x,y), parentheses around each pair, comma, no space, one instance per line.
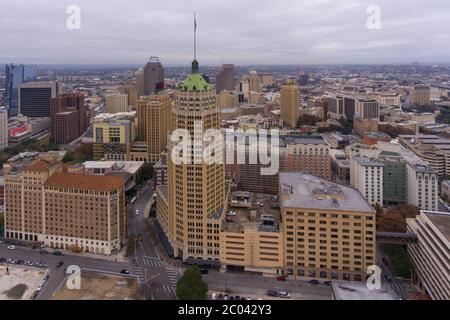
(19,283)
(99,286)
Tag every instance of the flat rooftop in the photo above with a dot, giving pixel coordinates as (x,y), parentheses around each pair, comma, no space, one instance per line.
(343,290)
(251,217)
(300,190)
(441,221)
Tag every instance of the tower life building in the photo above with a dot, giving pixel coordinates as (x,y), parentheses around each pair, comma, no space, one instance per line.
(196,192)
(153,123)
(153,76)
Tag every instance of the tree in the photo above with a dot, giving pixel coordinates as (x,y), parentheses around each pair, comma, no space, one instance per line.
(191,285)
(394,220)
(68,157)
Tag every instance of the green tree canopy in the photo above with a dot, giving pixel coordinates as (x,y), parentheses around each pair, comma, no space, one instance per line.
(191,285)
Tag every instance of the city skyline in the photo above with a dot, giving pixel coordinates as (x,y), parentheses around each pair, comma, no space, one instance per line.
(240,33)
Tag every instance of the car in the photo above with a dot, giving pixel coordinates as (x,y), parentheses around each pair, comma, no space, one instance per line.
(124,271)
(220,296)
(204,271)
(237,298)
(34,247)
(231,298)
(281,278)
(213,296)
(284,294)
(2,260)
(28,263)
(272,293)
(57,253)
(43,252)
(59,264)
(137,212)
(39,264)
(314,282)
(20,262)
(327,283)
(12,247)
(12,261)
(388,278)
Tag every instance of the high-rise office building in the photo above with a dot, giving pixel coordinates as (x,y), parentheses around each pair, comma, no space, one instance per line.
(290,103)
(70,117)
(254,82)
(15,75)
(139,77)
(153,123)
(196,191)
(153,76)
(367,108)
(350,107)
(116,103)
(420,95)
(225,78)
(422,186)
(3,128)
(130,89)
(35,98)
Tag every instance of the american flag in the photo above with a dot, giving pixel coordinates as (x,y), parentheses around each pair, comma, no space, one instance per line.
(195,22)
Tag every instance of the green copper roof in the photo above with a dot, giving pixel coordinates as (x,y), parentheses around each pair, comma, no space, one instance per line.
(195,81)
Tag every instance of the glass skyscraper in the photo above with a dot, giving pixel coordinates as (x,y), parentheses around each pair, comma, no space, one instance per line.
(15,75)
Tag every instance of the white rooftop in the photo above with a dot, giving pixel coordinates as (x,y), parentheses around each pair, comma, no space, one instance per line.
(359,291)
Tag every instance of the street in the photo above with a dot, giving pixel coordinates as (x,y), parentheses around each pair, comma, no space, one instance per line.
(158,280)
(246,284)
(395,284)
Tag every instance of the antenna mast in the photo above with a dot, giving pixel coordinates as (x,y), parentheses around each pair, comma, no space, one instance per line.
(195,36)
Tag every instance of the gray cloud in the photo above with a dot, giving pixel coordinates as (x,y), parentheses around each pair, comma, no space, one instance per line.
(241,32)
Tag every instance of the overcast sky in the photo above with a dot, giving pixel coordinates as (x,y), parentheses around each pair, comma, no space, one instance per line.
(229,31)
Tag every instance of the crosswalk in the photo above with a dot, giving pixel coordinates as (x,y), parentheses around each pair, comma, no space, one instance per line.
(149,261)
(173,276)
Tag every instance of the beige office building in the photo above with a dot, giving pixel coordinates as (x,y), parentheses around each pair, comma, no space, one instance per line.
(153,123)
(289,103)
(430,256)
(196,192)
(139,77)
(116,103)
(227,99)
(130,89)
(420,95)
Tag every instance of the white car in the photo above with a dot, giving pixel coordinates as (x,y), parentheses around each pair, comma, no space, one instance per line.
(137,212)
(11,247)
(284,294)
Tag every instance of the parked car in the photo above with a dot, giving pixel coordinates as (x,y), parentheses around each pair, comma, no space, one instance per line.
(327,283)
(281,278)
(57,253)
(39,265)
(28,263)
(204,271)
(314,282)
(124,271)
(20,262)
(272,293)
(59,264)
(12,247)
(12,261)
(2,260)
(284,294)
(137,212)
(43,252)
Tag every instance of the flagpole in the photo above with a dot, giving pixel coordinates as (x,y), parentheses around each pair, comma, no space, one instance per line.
(195,37)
